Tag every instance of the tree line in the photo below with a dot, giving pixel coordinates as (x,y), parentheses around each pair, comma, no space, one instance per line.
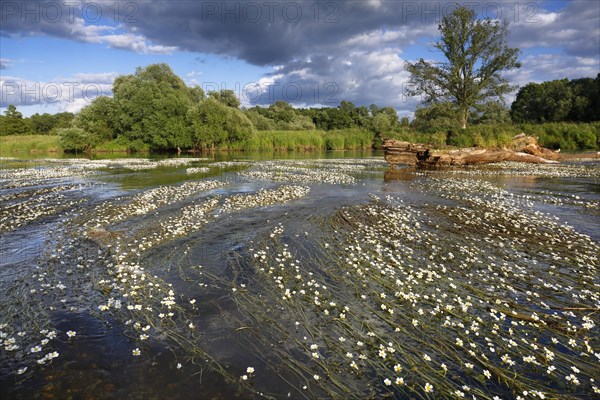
(13,123)
(153,108)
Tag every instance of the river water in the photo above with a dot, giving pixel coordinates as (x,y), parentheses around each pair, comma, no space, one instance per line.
(300,275)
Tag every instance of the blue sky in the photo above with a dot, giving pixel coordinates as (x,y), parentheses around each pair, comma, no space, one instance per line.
(306,52)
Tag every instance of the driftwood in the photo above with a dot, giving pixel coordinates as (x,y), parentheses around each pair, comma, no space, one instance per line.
(522,148)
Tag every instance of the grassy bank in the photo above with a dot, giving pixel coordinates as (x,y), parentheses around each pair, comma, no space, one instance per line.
(349,139)
(563,136)
(29,144)
(569,137)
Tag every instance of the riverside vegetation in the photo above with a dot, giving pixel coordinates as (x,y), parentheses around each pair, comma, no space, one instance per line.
(153,110)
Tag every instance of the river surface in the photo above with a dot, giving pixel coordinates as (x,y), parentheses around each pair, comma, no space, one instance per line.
(297,275)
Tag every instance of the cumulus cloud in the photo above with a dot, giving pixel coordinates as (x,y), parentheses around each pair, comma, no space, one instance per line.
(330,50)
(545,67)
(69,93)
(75,21)
(575,29)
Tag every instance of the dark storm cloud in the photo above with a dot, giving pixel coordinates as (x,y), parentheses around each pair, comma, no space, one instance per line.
(357,45)
(575,29)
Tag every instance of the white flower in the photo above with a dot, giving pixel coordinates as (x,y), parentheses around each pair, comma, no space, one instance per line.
(317,377)
(428,387)
(487,373)
(71,333)
(178,365)
(399,381)
(136,352)
(245,377)
(387,382)
(21,371)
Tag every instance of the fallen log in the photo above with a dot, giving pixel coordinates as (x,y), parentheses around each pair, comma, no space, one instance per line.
(522,148)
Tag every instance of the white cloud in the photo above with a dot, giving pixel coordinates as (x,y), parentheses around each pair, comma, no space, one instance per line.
(74,106)
(69,93)
(6,63)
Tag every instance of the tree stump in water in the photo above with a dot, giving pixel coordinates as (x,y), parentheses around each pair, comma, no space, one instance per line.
(522,148)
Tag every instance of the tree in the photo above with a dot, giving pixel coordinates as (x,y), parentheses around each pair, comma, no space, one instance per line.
(76,140)
(381,124)
(435,116)
(41,124)
(98,118)
(559,100)
(151,106)
(476,53)
(46,124)
(493,113)
(227,97)
(213,123)
(13,123)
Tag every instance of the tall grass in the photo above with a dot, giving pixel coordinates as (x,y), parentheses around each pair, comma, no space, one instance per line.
(29,144)
(566,136)
(304,141)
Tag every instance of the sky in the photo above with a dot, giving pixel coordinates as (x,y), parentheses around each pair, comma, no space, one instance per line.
(59,55)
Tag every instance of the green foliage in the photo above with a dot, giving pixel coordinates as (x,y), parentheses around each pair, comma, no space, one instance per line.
(476,53)
(352,139)
(279,116)
(45,124)
(381,124)
(259,121)
(213,124)
(76,140)
(281,141)
(565,136)
(436,116)
(18,144)
(121,144)
(226,97)
(492,113)
(151,106)
(97,119)
(12,122)
(557,101)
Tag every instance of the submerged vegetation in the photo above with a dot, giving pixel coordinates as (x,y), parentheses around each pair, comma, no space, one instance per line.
(444,285)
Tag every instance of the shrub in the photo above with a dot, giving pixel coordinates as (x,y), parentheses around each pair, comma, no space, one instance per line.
(76,140)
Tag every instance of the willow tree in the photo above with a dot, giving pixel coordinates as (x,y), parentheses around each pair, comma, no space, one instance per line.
(476,53)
